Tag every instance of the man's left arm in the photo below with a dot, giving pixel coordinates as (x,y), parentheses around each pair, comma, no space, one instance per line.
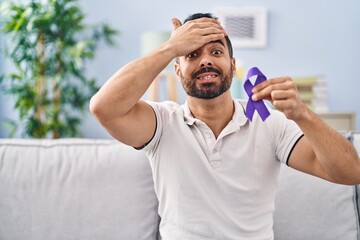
(322,152)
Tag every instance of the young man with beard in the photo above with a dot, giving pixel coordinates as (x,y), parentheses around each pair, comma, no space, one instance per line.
(215,172)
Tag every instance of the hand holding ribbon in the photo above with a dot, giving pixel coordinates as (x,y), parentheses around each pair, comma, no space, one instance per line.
(255,105)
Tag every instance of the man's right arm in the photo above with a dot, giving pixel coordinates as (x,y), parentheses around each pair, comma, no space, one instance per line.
(117,104)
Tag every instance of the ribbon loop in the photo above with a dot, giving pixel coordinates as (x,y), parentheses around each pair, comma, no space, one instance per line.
(255,105)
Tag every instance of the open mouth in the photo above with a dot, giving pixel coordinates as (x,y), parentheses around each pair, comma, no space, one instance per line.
(207,76)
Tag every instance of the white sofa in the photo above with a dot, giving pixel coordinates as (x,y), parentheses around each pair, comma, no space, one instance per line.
(72,189)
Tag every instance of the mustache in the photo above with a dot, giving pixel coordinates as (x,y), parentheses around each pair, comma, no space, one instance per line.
(204,70)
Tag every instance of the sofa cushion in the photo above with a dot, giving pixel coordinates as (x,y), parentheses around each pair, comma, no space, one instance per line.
(75,189)
(308,207)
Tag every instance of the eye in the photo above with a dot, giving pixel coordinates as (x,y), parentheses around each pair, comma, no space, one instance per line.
(217,52)
(192,55)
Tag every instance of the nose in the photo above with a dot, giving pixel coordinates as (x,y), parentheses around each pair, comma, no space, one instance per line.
(206,61)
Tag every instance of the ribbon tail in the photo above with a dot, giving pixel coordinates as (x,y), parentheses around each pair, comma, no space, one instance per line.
(250,110)
(262,109)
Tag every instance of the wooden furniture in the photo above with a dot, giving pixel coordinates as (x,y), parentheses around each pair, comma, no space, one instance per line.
(170,88)
(340,120)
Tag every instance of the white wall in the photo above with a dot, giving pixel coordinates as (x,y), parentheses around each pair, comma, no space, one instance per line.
(304,38)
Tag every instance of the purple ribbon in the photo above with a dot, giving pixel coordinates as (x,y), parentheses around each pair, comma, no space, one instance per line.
(255,105)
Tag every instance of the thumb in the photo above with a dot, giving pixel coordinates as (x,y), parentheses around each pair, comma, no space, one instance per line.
(176,23)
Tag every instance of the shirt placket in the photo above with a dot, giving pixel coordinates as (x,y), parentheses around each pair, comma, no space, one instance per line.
(213,146)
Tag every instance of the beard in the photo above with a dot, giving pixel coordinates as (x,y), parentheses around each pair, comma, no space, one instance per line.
(207,90)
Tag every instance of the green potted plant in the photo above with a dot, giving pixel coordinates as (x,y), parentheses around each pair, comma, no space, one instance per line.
(48,43)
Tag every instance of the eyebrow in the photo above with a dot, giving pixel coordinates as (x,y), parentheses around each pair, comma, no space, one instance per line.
(218,41)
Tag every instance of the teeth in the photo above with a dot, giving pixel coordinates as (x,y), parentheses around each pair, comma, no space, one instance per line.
(207,77)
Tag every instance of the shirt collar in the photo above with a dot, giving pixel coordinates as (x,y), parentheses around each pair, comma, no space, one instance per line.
(239,117)
(188,117)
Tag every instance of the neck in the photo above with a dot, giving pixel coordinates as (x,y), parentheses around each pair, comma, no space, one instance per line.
(215,113)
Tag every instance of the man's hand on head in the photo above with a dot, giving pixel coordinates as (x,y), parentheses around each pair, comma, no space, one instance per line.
(194,34)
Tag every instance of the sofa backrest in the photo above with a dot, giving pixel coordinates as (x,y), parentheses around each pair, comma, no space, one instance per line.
(308,207)
(102,189)
(75,189)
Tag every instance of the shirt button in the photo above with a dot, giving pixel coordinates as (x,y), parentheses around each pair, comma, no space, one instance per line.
(208,135)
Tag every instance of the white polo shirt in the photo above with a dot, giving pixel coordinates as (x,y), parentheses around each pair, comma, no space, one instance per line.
(220,188)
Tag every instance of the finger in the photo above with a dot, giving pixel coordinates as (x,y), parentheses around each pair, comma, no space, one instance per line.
(282,94)
(213,37)
(287,105)
(265,89)
(282,103)
(270,82)
(204,23)
(204,19)
(176,23)
(211,31)
(273,93)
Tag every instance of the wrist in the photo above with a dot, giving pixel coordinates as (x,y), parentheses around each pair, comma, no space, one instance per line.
(306,116)
(168,51)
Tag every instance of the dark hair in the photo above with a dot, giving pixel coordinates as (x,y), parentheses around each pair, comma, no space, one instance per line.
(209,15)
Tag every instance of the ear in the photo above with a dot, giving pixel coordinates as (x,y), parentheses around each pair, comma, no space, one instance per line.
(177,70)
(233,65)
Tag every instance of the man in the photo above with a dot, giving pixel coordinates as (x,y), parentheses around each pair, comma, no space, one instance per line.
(215,172)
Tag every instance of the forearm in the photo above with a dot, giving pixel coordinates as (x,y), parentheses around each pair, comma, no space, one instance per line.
(334,152)
(129,83)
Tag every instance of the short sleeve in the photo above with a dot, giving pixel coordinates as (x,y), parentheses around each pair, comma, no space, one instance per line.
(285,133)
(163,112)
